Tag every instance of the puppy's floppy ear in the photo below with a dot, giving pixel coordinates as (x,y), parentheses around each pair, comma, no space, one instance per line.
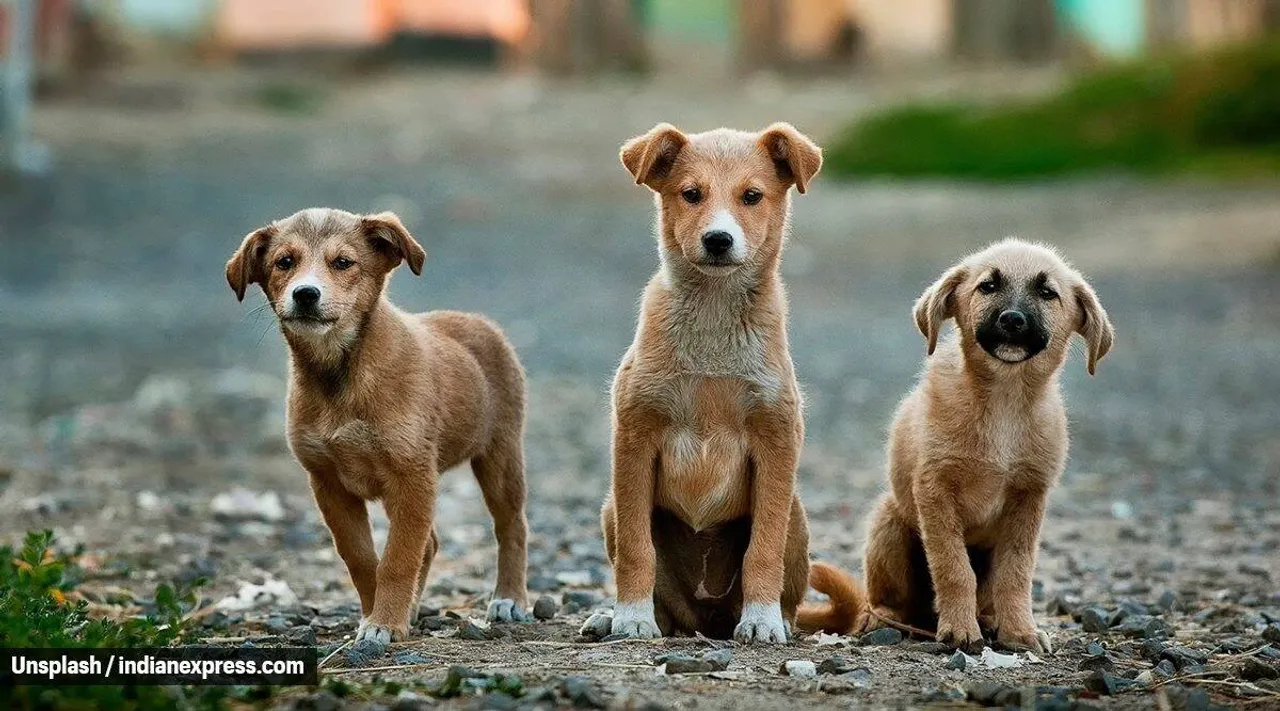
(388,234)
(937,304)
(649,157)
(1095,325)
(245,266)
(797,158)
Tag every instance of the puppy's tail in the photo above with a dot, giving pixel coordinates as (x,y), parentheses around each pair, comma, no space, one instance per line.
(848,600)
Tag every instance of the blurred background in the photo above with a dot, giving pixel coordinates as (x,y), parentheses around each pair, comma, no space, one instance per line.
(142,139)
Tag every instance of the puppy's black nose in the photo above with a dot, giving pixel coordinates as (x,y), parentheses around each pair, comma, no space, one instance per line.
(306,296)
(1013,321)
(717,243)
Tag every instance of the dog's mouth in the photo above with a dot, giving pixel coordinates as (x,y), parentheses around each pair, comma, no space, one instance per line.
(310,322)
(1012,350)
(716,266)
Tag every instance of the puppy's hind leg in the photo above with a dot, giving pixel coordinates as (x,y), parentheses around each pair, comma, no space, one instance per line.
(500,472)
(889,568)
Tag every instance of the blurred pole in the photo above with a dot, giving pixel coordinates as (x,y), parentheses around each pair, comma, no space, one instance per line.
(15,94)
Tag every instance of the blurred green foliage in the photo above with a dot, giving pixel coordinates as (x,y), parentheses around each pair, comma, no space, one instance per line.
(1216,113)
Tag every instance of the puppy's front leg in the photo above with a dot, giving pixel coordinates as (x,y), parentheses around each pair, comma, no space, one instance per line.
(954,584)
(635,560)
(409,498)
(1012,566)
(347,517)
(774,444)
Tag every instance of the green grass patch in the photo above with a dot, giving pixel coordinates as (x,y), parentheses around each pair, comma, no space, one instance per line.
(1215,113)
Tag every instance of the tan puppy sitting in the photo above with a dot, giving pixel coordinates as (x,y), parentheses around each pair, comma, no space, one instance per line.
(974,450)
(381,402)
(703,525)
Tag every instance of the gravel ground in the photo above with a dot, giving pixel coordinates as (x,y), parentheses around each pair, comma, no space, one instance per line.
(140,405)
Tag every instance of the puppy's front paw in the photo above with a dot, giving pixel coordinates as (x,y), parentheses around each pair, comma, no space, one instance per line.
(380,633)
(506,610)
(1033,640)
(960,633)
(761,622)
(635,619)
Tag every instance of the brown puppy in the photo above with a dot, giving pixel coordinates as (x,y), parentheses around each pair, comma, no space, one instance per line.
(703,526)
(975,448)
(381,402)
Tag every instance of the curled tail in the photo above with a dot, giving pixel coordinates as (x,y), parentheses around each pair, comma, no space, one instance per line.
(847,601)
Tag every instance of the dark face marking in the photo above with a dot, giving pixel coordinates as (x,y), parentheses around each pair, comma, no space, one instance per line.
(1012,324)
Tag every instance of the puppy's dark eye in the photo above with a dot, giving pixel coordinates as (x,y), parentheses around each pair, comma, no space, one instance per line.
(284,263)
(751,196)
(989,286)
(342,263)
(1046,293)
(693,196)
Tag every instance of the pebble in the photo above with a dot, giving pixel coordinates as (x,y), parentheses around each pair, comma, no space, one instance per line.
(411,658)
(958,661)
(469,631)
(1168,601)
(883,637)
(1183,657)
(932,648)
(579,691)
(409,701)
(1097,663)
(303,634)
(800,669)
(1094,620)
(993,693)
(598,626)
(318,701)
(1058,607)
(719,657)
(544,608)
(1105,684)
(1166,668)
(364,651)
(1272,633)
(681,663)
(836,664)
(1253,670)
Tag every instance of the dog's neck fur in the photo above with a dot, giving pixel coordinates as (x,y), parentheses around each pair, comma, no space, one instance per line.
(338,363)
(720,326)
(987,387)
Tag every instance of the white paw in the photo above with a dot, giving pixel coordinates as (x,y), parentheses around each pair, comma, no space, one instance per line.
(506,610)
(761,622)
(635,619)
(376,633)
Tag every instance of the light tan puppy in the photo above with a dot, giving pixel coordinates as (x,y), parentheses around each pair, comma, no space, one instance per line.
(381,402)
(974,450)
(703,526)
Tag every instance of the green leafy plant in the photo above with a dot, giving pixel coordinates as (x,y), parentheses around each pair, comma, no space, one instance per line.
(1217,113)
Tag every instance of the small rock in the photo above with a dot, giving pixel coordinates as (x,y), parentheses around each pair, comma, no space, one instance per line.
(364,651)
(1105,684)
(1272,633)
(932,648)
(582,598)
(1094,620)
(958,661)
(579,691)
(411,658)
(469,631)
(318,701)
(836,664)
(883,637)
(681,663)
(800,668)
(409,701)
(597,626)
(304,635)
(1152,650)
(1269,652)
(719,658)
(1058,607)
(1099,663)
(859,678)
(1146,677)
(1165,668)
(993,693)
(434,623)
(544,608)
(1168,601)
(1254,670)
(1183,657)
(1095,649)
